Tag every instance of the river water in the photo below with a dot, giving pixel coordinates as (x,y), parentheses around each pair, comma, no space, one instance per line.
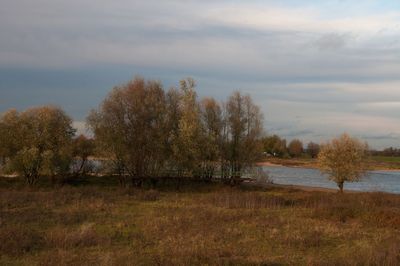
(385,181)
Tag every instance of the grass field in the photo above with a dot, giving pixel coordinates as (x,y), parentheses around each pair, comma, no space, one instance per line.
(194,224)
(386,159)
(385,162)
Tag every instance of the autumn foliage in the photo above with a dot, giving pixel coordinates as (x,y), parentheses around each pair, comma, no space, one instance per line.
(36,142)
(344,159)
(149,133)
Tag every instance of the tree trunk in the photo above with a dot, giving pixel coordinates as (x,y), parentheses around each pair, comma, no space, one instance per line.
(137,181)
(154,182)
(81,168)
(122,180)
(31,179)
(340,185)
(53,179)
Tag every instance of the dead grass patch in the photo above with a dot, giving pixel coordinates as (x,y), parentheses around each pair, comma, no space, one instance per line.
(216,225)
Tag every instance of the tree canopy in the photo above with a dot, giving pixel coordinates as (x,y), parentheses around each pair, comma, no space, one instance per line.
(149,132)
(344,159)
(37,142)
(295,148)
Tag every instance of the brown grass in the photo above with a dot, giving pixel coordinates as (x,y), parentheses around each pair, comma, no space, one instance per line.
(197,225)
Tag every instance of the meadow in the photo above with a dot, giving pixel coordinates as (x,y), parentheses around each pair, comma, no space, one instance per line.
(93,221)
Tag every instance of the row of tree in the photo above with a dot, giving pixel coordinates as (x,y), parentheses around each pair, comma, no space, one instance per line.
(390,152)
(142,131)
(278,147)
(149,132)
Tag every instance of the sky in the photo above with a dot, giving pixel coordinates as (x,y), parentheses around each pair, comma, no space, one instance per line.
(316,68)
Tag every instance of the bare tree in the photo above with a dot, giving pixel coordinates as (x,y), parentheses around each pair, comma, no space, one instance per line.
(344,159)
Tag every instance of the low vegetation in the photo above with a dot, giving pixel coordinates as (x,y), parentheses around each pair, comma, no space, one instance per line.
(167,188)
(100,223)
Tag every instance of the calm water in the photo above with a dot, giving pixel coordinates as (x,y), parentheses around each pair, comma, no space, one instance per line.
(386,181)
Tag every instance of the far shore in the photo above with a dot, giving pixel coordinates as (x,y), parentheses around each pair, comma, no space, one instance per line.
(286,164)
(312,164)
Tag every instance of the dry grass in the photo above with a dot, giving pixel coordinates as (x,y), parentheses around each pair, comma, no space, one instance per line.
(200,224)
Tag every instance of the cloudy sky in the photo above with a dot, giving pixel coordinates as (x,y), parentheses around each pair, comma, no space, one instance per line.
(317,68)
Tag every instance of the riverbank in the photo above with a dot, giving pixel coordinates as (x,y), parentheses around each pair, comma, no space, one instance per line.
(99,223)
(376,163)
(302,188)
(308,188)
(290,162)
(384,181)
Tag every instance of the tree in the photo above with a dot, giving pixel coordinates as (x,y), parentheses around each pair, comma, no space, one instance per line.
(295,148)
(173,116)
(391,152)
(38,142)
(244,125)
(82,148)
(188,143)
(313,149)
(9,132)
(275,146)
(211,117)
(129,128)
(343,159)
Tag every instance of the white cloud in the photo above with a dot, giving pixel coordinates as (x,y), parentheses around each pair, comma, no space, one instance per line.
(310,20)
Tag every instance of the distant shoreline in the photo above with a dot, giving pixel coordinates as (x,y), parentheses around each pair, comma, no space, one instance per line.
(312,164)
